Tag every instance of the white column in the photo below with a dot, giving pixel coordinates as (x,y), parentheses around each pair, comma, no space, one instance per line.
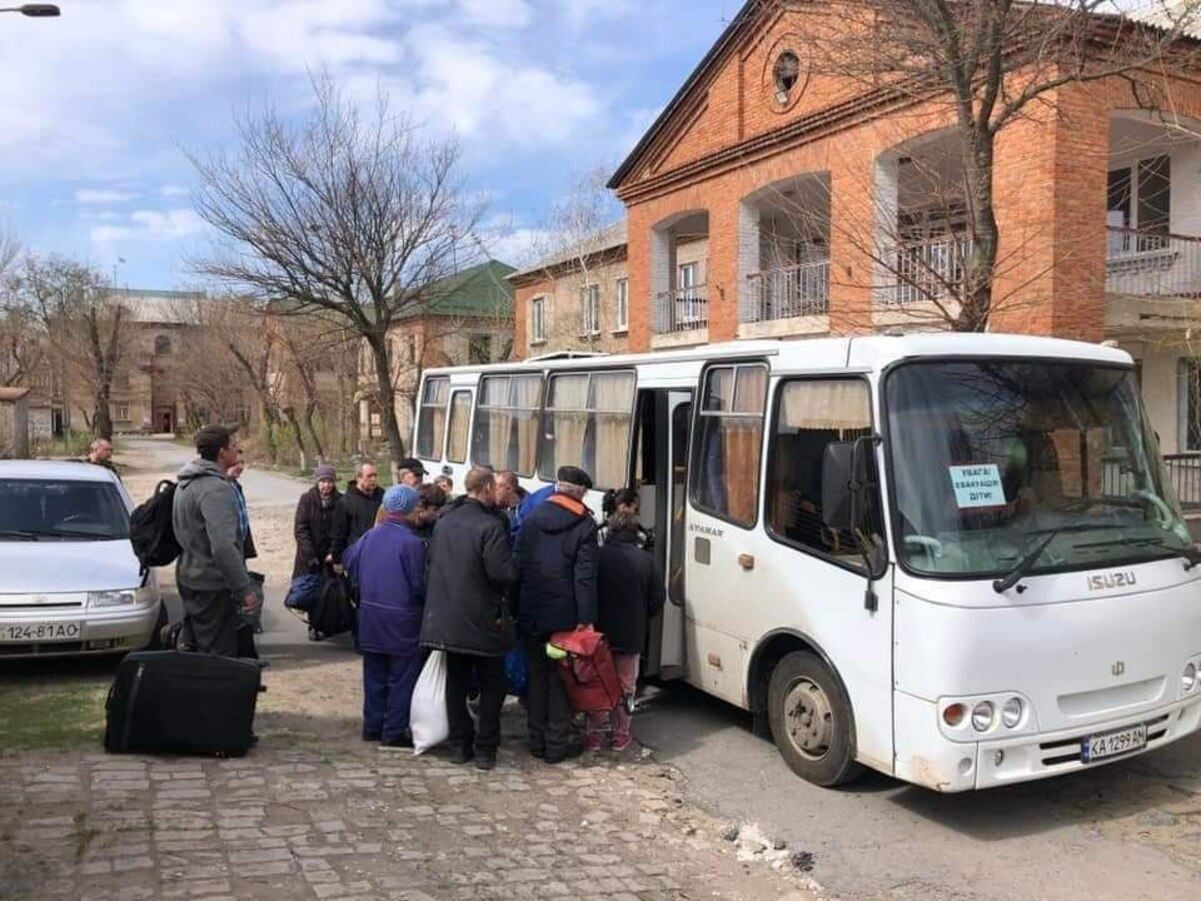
(748,261)
(887,206)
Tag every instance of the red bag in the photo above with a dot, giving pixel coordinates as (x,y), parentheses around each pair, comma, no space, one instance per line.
(588,671)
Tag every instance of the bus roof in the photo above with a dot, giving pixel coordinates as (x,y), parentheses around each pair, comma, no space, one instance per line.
(867,352)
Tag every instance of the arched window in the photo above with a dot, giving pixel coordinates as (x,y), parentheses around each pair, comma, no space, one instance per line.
(162,345)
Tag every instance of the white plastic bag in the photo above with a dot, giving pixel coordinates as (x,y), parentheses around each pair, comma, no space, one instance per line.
(427,715)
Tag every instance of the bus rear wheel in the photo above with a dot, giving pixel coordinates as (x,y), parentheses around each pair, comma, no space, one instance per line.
(810,718)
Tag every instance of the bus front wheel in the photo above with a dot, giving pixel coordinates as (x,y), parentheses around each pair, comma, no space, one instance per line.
(811,720)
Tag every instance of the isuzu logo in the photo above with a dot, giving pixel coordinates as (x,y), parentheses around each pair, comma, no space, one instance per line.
(1103,581)
(1118,667)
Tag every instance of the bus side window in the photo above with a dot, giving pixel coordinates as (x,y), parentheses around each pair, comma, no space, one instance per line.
(810,414)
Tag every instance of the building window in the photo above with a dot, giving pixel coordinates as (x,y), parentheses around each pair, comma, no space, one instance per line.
(162,345)
(587,424)
(689,305)
(460,423)
(479,349)
(623,305)
(729,441)
(431,421)
(1139,199)
(590,301)
(120,412)
(505,435)
(810,415)
(537,320)
(785,74)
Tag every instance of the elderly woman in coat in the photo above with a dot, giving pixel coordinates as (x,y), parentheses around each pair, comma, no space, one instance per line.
(388,567)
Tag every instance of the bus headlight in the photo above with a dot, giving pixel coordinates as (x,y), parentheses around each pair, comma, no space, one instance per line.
(982,715)
(1188,679)
(1011,713)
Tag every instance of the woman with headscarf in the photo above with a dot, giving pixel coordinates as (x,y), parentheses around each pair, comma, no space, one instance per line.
(315,522)
(387,565)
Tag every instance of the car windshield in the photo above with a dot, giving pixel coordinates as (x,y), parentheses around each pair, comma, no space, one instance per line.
(50,509)
(991,459)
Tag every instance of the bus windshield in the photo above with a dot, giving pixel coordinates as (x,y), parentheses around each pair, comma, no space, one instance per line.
(995,459)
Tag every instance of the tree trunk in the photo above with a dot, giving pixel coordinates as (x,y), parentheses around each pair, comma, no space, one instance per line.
(387,402)
(981,265)
(318,448)
(297,436)
(102,422)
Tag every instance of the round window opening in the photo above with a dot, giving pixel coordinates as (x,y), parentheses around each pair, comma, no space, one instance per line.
(786,73)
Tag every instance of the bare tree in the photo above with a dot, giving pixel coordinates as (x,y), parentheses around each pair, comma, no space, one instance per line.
(349,214)
(993,63)
(82,324)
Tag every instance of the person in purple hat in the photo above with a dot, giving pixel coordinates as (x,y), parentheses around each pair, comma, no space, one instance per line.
(387,565)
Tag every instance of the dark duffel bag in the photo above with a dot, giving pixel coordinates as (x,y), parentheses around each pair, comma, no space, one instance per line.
(334,612)
(179,702)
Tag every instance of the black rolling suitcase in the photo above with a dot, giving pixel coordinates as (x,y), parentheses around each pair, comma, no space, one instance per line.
(177,702)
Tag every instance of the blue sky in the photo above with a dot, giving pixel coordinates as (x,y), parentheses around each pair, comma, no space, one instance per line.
(95,106)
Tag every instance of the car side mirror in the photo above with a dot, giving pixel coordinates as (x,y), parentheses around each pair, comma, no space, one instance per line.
(838,489)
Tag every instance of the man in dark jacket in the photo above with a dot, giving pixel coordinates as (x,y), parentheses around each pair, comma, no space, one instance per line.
(314,524)
(356,509)
(469,568)
(214,585)
(630,591)
(556,550)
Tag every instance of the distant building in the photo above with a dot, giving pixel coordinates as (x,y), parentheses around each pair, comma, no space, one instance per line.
(470,320)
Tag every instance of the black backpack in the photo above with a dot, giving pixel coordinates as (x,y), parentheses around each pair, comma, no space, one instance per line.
(150,529)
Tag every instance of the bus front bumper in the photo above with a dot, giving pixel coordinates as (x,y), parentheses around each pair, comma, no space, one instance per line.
(925,757)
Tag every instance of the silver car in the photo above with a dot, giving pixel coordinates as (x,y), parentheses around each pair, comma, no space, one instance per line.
(69,580)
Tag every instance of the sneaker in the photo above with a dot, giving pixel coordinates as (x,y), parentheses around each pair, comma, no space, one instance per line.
(485,760)
(621,744)
(594,743)
(314,635)
(572,752)
(460,756)
(540,753)
(371,736)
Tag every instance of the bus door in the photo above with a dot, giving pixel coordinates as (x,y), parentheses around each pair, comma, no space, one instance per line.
(660,471)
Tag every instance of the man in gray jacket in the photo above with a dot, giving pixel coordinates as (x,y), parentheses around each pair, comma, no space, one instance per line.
(211,574)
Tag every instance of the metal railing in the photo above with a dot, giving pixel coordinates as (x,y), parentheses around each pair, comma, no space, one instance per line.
(783,293)
(1184,472)
(930,269)
(1152,263)
(682,310)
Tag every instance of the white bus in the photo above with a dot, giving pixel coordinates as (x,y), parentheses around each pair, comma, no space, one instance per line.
(954,559)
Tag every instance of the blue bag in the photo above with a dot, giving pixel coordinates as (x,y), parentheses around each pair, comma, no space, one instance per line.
(304,592)
(517,670)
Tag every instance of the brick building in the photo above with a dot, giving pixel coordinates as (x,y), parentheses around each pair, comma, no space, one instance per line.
(468,320)
(769,200)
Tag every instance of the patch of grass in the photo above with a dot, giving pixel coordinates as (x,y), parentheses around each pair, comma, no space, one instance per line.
(34,717)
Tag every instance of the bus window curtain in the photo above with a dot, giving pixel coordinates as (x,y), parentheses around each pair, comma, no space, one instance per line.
(527,392)
(460,417)
(569,395)
(612,398)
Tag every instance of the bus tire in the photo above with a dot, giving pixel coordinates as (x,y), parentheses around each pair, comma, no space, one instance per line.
(811,720)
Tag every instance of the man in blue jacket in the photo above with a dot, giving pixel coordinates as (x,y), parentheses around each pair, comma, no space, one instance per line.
(556,552)
(388,566)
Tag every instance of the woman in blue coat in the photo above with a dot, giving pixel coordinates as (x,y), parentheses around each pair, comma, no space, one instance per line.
(387,566)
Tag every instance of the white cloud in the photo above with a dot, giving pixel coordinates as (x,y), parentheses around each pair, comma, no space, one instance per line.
(497,13)
(97,196)
(151,225)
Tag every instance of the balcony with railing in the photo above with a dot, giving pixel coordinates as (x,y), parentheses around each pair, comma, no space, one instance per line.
(924,270)
(787,292)
(1144,263)
(1184,473)
(682,311)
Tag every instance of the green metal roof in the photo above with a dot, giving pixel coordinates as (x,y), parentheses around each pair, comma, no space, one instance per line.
(480,290)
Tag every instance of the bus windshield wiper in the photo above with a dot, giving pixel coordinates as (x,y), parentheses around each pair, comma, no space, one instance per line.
(18,535)
(1019,569)
(75,533)
(1190,554)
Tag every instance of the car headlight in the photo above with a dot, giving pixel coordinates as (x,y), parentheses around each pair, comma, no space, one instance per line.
(982,715)
(127,597)
(1188,678)
(1011,713)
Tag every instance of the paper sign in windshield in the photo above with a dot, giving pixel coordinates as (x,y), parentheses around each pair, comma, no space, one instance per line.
(977,486)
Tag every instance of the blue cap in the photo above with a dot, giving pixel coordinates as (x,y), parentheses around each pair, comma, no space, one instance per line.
(400,499)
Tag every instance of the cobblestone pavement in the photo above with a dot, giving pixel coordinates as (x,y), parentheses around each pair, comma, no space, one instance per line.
(352,821)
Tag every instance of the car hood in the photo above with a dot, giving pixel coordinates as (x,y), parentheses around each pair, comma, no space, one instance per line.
(50,567)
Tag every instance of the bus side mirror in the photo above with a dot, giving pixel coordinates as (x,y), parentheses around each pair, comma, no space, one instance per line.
(838,491)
